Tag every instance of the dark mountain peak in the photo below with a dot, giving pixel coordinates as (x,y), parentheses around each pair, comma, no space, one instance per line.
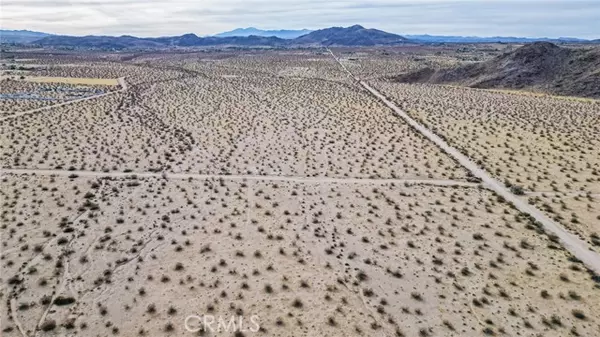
(189,36)
(356,27)
(355,35)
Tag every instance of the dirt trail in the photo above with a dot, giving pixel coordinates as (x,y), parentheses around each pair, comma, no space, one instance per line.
(572,243)
(298,179)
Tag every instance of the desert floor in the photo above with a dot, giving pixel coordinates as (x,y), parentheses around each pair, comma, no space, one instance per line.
(269,185)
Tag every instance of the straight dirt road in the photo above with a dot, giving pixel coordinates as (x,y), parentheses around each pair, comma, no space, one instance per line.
(572,243)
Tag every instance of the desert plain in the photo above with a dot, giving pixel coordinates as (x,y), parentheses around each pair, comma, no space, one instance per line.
(139,189)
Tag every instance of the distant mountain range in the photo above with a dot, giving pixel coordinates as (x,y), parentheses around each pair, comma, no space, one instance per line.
(355,35)
(132,42)
(282,34)
(337,36)
(251,37)
(20,36)
(424,38)
(492,39)
(537,66)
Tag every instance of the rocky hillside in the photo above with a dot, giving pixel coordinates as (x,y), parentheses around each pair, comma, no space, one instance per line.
(540,66)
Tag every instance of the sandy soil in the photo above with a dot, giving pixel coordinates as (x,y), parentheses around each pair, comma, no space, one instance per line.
(361,260)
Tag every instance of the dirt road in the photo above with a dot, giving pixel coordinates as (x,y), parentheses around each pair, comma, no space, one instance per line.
(572,243)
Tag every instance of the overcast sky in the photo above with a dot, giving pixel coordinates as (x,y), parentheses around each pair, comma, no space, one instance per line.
(536,18)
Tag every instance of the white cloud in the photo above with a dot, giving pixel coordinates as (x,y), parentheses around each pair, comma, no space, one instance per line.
(159,17)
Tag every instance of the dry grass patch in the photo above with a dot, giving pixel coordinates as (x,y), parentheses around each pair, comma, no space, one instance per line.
(73,80)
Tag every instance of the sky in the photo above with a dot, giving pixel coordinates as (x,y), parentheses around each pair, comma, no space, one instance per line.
(145,18)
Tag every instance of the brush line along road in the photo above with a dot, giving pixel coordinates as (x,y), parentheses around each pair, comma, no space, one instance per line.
(297,179)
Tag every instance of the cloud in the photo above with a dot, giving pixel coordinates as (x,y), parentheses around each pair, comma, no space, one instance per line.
(552,18)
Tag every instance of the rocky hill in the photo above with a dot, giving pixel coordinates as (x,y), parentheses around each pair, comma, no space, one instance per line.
(540,66)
